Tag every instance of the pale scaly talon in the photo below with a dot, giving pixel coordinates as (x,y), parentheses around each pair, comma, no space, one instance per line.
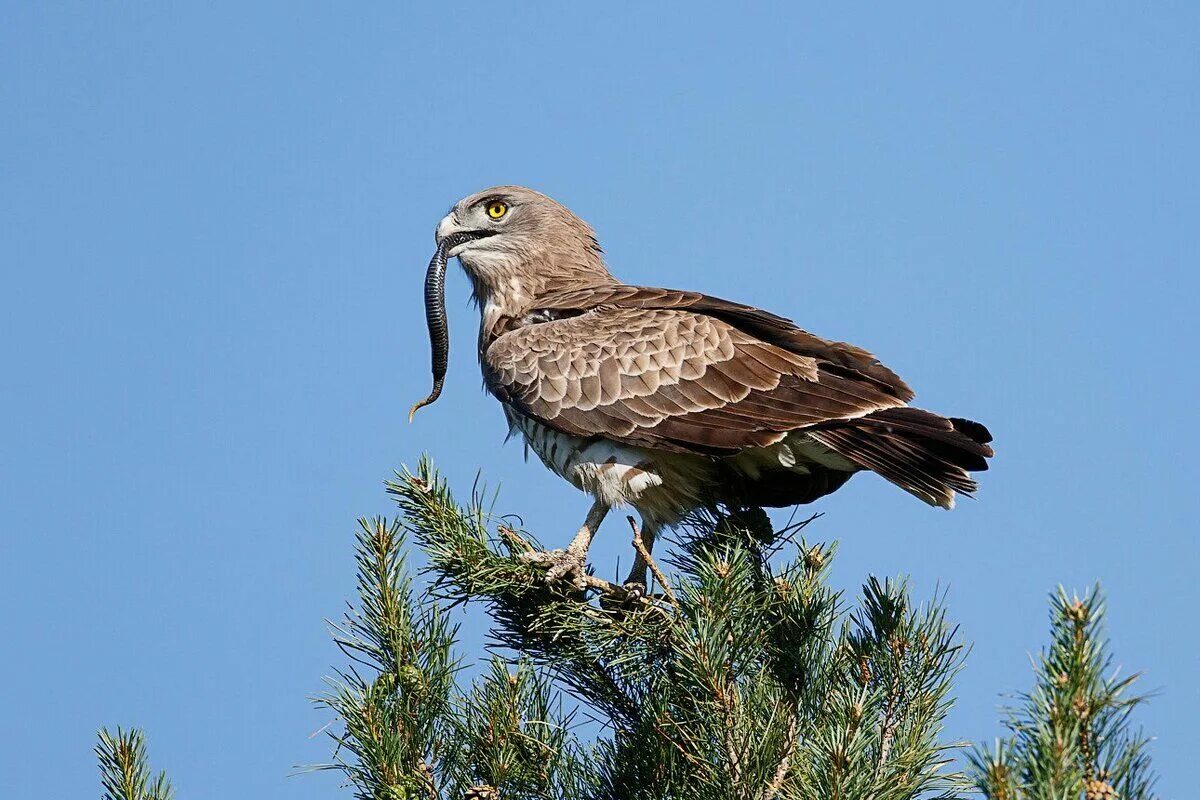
(567,564)
(541,556)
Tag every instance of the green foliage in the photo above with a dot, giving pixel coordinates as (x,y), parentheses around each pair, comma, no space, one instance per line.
(747,680)
(125,768)
(745,676)
(392,701)
(1070,736)
(511,735)
(404,730)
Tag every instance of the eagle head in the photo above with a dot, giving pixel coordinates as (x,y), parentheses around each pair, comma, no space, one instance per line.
(515,243)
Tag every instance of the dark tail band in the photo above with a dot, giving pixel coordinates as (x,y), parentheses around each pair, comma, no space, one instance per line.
(925,454)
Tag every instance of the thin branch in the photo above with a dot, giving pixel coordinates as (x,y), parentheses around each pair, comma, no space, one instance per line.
(789,532)
(642,550)
(517,544)
(887,727)
(772,789)
(725,697)
(620,593)
(692,759)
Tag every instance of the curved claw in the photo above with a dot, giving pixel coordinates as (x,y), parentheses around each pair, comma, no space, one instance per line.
(563,564)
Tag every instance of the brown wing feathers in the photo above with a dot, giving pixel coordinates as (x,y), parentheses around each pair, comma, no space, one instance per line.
(669,378)
(684,371)
(761,324)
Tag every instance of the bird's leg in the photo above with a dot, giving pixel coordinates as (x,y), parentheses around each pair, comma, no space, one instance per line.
(572,562)
(635,583)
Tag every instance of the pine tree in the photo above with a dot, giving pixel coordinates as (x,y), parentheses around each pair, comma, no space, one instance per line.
(1070,735)
(125,768)
(741,674)
(740,678)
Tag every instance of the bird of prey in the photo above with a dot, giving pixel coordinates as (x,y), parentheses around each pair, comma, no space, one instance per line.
(670,400)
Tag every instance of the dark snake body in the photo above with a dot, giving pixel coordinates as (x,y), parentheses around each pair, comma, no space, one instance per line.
(435,313)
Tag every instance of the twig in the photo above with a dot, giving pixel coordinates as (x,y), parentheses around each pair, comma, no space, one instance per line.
(519,546)
(726,698)
(683,733)
(887,730)
(788,533)
(620,593)
(513,540)
(772,788)
(640,546)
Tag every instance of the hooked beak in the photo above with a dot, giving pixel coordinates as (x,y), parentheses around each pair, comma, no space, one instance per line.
(452,237)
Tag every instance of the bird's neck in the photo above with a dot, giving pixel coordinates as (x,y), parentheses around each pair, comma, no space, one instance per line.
(509,289)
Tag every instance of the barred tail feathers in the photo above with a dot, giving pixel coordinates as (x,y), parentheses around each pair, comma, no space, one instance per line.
(927,455)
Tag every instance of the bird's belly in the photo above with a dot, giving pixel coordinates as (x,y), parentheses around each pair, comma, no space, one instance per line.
(663,485)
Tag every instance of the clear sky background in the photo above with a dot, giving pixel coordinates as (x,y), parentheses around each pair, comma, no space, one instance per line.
(214,222)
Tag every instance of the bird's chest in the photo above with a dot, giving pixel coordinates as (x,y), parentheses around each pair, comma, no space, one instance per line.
(617,473)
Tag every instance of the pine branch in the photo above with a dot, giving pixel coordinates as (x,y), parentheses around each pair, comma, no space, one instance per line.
(1071,735)
(513,738)
(603,653)
(738,683)
(644,552)
(392,704)
(404,729)
(748,678)
(125,768)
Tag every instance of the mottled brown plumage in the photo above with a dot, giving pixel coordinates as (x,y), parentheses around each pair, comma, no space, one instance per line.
(667,400)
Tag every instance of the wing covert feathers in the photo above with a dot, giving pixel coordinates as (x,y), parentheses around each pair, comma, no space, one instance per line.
(672,378)
(685,372)
(764,325)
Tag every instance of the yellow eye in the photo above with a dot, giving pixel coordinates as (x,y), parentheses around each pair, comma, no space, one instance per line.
(497,209)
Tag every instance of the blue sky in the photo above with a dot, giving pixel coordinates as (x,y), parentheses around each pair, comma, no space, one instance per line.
(213,228)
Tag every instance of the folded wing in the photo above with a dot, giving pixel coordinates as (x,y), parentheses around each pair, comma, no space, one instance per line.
(680,371)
